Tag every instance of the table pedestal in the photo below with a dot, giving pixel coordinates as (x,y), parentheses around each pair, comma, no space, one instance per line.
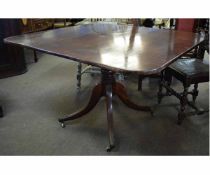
(108,87)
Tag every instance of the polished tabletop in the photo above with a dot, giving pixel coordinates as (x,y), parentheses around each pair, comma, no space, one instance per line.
(126,48)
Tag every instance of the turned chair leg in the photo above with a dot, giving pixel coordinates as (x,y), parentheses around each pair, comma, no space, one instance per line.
(35,56)
(140,79)
(195,92)
(79,75)
(168,79)
(183,102)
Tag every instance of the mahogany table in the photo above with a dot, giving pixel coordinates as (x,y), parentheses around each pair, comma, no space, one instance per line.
(113,48)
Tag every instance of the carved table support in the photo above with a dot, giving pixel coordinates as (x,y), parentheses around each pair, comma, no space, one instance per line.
(108,87)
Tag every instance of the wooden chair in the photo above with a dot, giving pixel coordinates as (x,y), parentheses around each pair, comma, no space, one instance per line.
(188,71)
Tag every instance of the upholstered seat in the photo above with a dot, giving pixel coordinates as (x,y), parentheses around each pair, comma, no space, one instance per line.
(189,71)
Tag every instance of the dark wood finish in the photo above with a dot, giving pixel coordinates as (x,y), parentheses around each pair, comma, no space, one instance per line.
(35,25)
(12,60)
(96,95)
(192,25)
(35,56)
(1,112)
(204,46)
(113,48)
(142,77)
(119,89)
(109,46)
(160,94)
(188,71)
(108,87)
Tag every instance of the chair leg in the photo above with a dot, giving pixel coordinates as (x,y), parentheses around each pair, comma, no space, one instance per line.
(1,112)
(201,51)
(183,102)
(160,95)
(35,56)
(140,79)
(195,92)
(79,75)
(168,78)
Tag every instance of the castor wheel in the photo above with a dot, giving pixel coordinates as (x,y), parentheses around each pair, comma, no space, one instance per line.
(63,125)
(109,148)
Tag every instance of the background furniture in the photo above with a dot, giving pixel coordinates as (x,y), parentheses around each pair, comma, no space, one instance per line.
(12,60)
(188,71)
(59,23)
(35,25)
